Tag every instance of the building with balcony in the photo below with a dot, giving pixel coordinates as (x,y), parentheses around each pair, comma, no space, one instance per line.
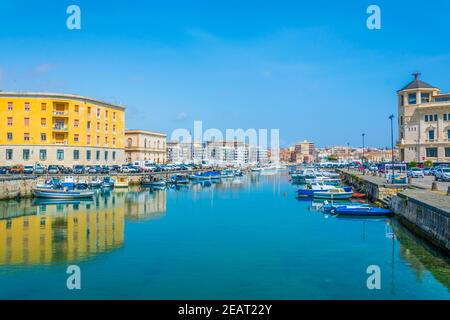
(142,145)
(424,122)
(60,129)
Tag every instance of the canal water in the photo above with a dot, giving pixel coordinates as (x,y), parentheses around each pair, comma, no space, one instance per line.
(246,238)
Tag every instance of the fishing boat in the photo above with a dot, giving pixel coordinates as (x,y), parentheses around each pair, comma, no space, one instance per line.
(68,182)
(179,179)
(330,207)
(108,183)
(214,175)
(200,177)
(82,184)
(53,183)
(151,181)
(62,194)
(95,183)
(365,211)
(121,182)
(311,188)
(333,194)
(227,173)
(256,169)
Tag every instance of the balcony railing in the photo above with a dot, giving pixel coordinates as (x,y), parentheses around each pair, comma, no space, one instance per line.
(60,113)
(60,128)
(60,142)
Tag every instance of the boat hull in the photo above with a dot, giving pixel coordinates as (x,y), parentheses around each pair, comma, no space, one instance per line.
(362,212)
(333,196)
(61,194)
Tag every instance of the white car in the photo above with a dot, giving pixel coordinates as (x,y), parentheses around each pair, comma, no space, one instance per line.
(416,173)
(442,174)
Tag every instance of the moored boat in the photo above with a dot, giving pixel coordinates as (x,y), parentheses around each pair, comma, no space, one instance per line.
(62,194)
(179,179)
(121,182)
(68,182)
(361,211)
(333,194)
(108,183)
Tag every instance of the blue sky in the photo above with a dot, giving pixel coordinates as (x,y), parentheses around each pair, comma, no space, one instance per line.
(310,68)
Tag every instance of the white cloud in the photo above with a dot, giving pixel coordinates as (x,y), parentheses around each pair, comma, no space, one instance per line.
(182,116)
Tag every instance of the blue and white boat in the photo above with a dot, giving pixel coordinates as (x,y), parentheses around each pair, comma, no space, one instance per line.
(68,182)
(228,173)
(95,183)
(311,188)
(108,183)
(200,176)
(333,194)
(179,179)
(53,183)
(63,194)
(82,184)
(361,211)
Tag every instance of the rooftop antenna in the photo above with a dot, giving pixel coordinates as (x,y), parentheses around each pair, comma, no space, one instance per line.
(416,75)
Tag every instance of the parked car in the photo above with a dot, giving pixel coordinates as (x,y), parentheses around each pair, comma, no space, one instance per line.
(17,169)
(442,174)
(104,169)
(4,170)
(65,170)
(94,169)
(415,173)
(39,169)
(78,169)
(52,169)
(427,171)
(114,168)
(28,169)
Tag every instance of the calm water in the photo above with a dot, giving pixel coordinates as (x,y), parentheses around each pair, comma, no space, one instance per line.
(247,238)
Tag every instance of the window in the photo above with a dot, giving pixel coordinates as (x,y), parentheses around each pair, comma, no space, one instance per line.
(432,152)
(27,106)
(89,125)
(76,108)
(97,155)
(43,137)
(106,155)
(106,114)
(10,106)
(42,154)
(435,117)
(9,154)
(98,113)
(26,154)
(425,97)
(76,137)
(106,127)
(114,128)
(43,107)
(88,155)
(114,141)
(98,126)
(26,136)
(76,154)
(89,110)
(114,116)
(60,155)
(76,123)
(114,156)
(426,118)
(9,136)
(10,121)
(98,140)
(88,139)
(106,140)
(447,152)
(431,135)
(26,122)
(43,122)
(445,117)
(412,98)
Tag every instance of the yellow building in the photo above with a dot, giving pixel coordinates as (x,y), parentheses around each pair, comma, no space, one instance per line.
(61,129)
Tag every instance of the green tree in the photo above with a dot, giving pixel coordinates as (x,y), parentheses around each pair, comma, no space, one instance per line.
(428,163)
(333,157)
(412,164)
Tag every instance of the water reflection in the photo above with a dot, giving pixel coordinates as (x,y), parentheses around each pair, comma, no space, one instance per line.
(41,231)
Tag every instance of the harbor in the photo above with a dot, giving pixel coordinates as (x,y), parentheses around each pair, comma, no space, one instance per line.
(248,235)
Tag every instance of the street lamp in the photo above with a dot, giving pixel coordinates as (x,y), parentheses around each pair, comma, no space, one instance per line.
(362,160)
(391,117)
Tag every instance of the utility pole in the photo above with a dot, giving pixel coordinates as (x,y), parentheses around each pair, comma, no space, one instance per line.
(391,117)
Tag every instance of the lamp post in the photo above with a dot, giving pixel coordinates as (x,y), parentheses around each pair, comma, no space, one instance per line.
(391,117)
(362,160)
(348,155)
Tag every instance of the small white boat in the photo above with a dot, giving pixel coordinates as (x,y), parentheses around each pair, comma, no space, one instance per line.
(257,169)
(95,183)
(68,182)
(333,194)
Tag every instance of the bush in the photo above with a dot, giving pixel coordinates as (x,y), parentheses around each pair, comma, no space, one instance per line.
(412,164)
(428,164)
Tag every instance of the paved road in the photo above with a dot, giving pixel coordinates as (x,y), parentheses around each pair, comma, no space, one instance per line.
(427,181)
